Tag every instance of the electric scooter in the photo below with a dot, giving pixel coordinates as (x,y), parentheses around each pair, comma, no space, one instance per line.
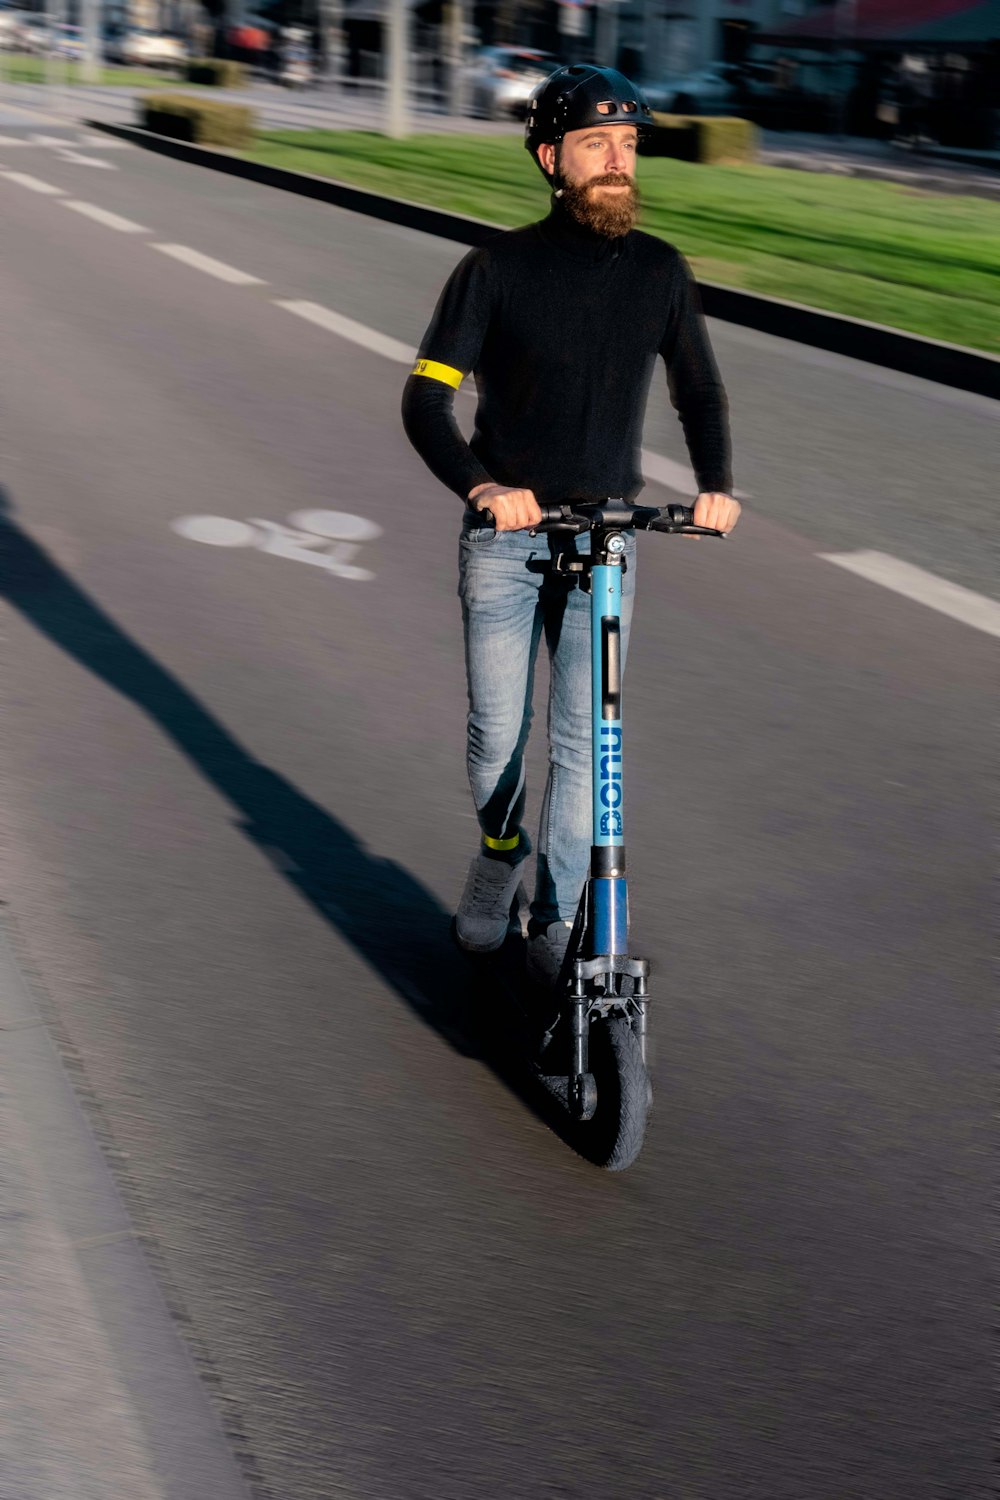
(592,1054)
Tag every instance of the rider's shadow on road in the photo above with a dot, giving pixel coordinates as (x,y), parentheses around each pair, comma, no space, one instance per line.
(393,921)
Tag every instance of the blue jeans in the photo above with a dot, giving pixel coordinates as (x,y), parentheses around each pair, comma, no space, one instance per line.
(510,597)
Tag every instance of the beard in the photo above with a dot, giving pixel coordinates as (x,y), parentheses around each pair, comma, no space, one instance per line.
(610,214)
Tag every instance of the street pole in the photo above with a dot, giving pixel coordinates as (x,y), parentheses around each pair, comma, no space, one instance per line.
(455,21)
(90,17)
(397,123)
(606,40)
(331,21)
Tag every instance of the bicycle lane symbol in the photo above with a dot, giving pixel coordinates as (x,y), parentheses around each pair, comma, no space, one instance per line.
(324,538)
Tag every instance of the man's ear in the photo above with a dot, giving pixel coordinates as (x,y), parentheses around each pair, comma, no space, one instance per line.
(547,158)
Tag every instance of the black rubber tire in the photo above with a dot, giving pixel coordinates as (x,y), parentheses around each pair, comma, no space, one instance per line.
(613,1137)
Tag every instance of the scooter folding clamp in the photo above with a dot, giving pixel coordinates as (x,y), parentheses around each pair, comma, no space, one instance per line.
(612,963)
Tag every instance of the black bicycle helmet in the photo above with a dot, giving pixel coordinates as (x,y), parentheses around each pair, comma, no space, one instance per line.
(579,97)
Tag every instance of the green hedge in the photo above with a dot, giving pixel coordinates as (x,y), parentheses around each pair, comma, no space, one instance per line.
(216,71)
(702,138)
(208,122)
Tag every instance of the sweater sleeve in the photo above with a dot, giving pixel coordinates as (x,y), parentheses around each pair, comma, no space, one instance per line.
(696,390)
(449,351)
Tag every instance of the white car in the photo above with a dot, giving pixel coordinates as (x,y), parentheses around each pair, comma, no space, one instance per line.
(501,80)
(719,89)
(32,35)
(148,49)
(10,30)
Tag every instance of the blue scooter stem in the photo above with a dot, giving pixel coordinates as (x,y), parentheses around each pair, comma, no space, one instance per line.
(609,893)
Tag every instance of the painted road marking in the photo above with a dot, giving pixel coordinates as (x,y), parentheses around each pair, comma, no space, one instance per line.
(34,183)
(209,266)
(925,588)
(325,538)
(673,475)
(358,333)
(103,216)
(215,531)
(86,161)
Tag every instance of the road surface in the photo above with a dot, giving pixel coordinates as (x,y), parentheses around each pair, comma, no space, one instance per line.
(235,821)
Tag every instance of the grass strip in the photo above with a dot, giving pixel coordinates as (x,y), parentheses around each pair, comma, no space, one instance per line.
(62,72)
(917,261)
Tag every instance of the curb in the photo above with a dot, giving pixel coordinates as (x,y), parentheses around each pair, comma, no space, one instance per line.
(106,1397)
(874,343)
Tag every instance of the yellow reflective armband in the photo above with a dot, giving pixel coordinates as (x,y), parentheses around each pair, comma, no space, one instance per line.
(434,371)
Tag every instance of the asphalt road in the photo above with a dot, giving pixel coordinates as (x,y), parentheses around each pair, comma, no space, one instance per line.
(235,821)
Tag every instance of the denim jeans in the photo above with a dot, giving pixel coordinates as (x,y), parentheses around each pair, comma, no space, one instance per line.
(511,598)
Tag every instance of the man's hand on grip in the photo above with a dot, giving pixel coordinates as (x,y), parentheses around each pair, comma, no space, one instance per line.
(712,508)
(512,509)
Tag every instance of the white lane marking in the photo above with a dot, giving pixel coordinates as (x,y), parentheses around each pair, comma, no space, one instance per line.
(215,531)
(13,140)
(104,216)
(675,476)
(358,333)
(34,183)
(325,538)
(925,588)
(667,471)
(337,525)
(86,161)
(209,266)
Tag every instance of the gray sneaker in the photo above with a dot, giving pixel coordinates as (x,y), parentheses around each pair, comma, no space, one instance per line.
(546,953)
(484,910)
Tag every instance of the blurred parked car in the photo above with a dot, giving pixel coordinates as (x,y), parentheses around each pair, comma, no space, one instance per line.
(32,35)
(500,80)
(142,48)
(67,42)
(10,29)
(719,89)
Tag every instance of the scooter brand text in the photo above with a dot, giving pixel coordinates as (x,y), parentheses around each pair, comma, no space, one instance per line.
(611,780)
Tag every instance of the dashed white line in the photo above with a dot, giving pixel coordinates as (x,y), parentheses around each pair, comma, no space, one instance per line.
(104,216)
(209,266)
(34,183)
(925,588)
(86,161)
(358,333)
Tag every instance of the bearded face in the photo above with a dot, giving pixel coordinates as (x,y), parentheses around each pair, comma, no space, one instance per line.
(611,213)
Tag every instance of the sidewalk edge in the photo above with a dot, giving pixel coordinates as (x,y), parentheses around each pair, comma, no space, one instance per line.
(183,1432)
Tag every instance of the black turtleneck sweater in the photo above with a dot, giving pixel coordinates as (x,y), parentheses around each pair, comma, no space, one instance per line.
(562,327)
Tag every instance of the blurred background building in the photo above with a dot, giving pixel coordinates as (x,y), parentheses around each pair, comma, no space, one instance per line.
(913,70)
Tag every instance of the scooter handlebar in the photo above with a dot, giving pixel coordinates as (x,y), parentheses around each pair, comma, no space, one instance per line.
(575,518)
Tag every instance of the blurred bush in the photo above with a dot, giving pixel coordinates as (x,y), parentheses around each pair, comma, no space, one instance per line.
(217,71)
(207,122)
(702,138)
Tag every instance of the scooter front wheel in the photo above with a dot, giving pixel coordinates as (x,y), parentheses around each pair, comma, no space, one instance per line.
(612,1138)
